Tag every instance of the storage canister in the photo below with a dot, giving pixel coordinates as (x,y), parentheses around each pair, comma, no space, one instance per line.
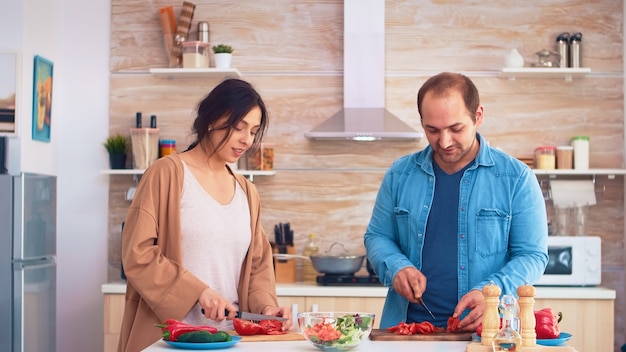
(581,152)
(545,157)
(195,54)
(564,157)
(168,146)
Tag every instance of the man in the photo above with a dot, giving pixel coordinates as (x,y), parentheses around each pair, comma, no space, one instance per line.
(455,216)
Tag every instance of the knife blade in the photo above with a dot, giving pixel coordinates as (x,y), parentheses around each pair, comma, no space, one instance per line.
(252,316)
(420,301)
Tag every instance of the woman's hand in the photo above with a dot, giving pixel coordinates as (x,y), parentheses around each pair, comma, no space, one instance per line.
(280,312)
(215,306)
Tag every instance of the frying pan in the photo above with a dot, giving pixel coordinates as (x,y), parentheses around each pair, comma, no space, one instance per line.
(342,264)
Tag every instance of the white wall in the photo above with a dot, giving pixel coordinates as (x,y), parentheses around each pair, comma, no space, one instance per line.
(74,34)
(82,74)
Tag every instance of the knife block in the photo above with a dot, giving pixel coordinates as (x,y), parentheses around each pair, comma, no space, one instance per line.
(285,270)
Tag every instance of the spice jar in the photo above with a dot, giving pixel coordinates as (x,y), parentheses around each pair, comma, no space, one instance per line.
(545,157)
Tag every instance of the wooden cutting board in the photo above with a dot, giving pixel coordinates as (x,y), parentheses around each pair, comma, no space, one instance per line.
(384,335)
(289,336)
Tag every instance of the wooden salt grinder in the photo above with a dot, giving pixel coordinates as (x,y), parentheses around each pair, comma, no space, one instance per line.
(527,315)
(491,318)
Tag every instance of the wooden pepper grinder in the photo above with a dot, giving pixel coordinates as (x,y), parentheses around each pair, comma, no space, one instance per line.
(491,318)
(526,315)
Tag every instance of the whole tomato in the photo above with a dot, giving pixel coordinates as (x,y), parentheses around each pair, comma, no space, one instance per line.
(246,327)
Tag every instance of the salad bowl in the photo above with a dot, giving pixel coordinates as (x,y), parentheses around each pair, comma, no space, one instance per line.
(335,331)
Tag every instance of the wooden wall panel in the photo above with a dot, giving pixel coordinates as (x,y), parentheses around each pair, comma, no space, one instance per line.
(291,50)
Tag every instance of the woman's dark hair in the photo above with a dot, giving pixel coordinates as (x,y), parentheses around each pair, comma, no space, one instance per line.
(233,98)
(445,82)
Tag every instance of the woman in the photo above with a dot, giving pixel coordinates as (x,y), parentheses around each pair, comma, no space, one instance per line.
(193,238)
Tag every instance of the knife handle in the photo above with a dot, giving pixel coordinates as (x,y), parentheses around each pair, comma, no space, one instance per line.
(226,312)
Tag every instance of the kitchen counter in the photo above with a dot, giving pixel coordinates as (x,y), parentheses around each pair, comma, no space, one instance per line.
(288,290)
(365,346)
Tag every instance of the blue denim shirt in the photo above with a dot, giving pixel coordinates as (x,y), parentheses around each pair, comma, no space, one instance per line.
(503,229)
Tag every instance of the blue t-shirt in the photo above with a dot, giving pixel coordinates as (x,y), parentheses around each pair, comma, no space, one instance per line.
(440,251)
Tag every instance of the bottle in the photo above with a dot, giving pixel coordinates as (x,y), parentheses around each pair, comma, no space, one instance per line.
(138,119)
(562,46)
(575,50)
(153,121)
(203,32)
(508,338)
(309,274)
(581,152)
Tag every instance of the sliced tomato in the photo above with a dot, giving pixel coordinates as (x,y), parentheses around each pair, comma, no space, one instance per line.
(453,324)
(246,327)
(272,327)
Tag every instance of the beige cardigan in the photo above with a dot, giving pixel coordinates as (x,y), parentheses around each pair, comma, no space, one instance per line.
(158,287)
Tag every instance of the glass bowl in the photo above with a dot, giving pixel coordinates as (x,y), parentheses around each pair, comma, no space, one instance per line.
(335,331)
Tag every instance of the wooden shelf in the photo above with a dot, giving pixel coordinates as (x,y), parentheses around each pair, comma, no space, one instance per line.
(196,72)
(567,74)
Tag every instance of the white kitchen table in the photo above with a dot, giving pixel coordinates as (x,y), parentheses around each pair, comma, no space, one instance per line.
(365,346)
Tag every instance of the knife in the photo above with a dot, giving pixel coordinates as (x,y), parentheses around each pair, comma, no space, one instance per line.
(252,316)
(420,301)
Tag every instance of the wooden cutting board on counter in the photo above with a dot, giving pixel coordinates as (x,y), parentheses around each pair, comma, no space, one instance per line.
(384,335)
(289,336)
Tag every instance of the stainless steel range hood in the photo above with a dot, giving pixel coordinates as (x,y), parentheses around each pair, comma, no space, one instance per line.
(364,117)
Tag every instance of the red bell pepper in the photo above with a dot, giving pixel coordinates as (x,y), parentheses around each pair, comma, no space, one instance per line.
(547,323)
(171,329)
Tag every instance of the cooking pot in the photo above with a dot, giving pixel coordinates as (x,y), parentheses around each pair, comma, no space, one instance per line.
(343,264)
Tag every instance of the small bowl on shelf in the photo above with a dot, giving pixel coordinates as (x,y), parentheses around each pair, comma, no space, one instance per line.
(335,331)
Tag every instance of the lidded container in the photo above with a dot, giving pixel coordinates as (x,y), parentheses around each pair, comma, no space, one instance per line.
(581,152)
(195,54)
(545,157)
(168,146)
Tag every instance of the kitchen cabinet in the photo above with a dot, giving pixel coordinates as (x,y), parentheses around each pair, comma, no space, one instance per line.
(512,73)
(113,313)
(588,312)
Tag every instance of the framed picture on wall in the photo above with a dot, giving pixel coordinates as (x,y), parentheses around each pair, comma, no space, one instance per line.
(8,89)
(42,99)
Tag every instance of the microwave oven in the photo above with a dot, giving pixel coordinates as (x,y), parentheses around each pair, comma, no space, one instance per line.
(573,261)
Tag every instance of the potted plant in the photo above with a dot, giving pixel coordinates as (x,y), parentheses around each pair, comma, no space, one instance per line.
(223,54)
(117,146)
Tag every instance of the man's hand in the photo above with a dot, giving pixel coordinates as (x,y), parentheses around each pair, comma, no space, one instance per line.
(472,300)
(410,283)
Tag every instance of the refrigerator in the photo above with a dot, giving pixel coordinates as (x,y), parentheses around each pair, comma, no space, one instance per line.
(28,263)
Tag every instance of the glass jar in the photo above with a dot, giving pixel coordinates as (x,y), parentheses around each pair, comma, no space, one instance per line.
(545,157)
(195,54)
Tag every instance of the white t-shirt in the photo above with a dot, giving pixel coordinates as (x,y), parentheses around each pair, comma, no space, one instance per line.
(215,240)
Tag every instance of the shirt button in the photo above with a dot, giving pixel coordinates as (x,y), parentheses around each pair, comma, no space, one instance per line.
(462,208)
(419,235)
(462,236)
(462,267)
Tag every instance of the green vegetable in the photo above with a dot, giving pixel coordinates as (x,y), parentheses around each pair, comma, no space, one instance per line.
(202,336)
(352,328)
